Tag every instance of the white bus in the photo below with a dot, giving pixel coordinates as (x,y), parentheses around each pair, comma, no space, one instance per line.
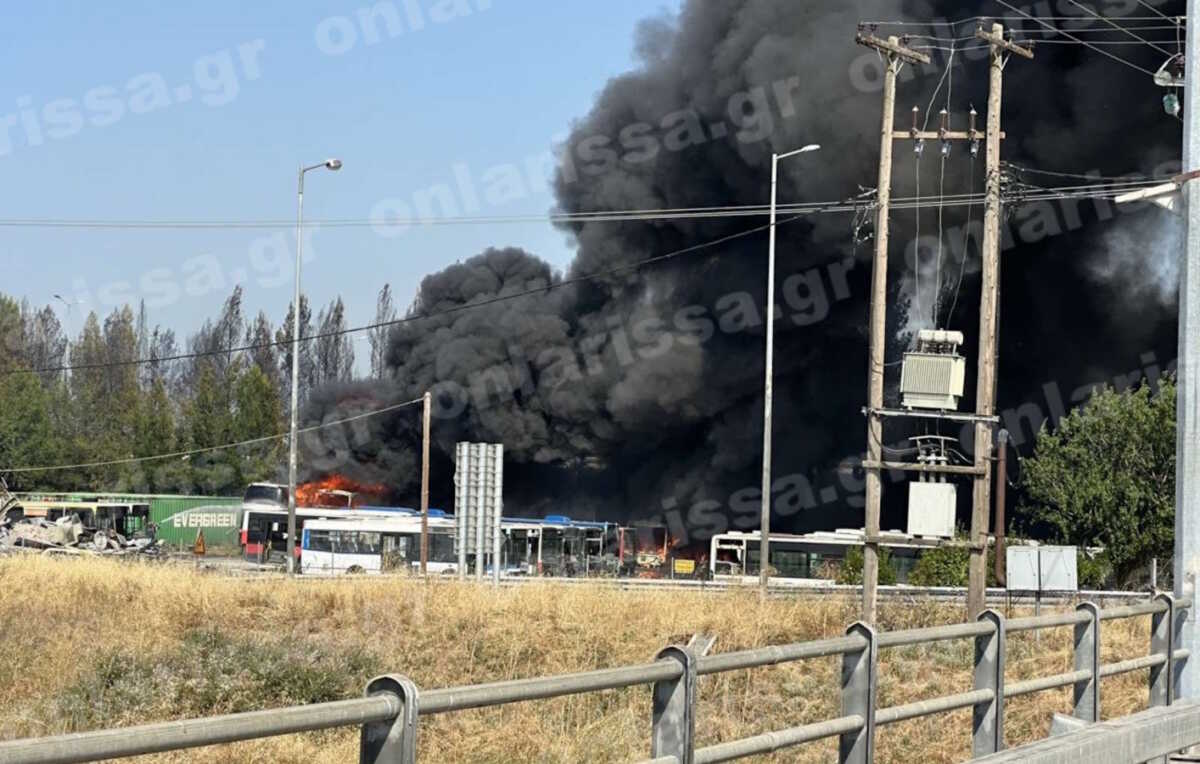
(264,527)
(805,557)
(374,545)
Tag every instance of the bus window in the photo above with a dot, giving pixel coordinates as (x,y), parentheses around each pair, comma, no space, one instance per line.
(789,563)
(319,541)
(369,543)
(395,551)
(344,542)
(441,548)
(752,558)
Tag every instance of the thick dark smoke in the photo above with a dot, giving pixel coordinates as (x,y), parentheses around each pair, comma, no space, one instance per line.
(640,393)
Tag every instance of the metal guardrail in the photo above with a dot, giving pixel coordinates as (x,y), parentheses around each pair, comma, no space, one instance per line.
(389,712)
(1149,735)
(778,586)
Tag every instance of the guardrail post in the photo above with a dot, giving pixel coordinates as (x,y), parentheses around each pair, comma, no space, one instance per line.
(395,741)
(1087,658)
(1181,617)
(859,687)
(674,722)
(1162,642)
(988,720)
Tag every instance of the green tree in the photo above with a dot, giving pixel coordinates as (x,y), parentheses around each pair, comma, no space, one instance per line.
(209,423)
(257,416)
(12,335)
(154,435)
(851,569)
(1106,477)
(27,436)
(87,387)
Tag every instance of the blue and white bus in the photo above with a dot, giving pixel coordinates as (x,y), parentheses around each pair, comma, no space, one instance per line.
(373,545)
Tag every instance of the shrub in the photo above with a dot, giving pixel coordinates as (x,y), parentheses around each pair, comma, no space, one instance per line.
(851,571)
(943,566)
(210,673)
(948,566)
(1094,570)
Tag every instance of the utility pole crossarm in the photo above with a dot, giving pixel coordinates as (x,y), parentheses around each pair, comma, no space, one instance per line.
(937,135)
(999,41)
(891,47)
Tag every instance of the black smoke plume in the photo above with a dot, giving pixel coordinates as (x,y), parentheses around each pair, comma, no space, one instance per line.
(639,394)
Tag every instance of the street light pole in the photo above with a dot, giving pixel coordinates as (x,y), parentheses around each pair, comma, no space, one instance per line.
(764,574)
(1187,458)
(330,164)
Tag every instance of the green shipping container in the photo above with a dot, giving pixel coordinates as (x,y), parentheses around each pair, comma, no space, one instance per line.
(178,517)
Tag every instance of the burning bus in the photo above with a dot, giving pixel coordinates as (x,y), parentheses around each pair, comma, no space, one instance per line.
(265,512)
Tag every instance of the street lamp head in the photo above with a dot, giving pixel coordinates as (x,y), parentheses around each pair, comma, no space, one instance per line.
(333,164)
(795,152)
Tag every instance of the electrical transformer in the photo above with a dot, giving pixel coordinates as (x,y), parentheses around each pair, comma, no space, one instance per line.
(933,373)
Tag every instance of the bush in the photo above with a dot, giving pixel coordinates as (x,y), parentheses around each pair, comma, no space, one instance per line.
(1094,570)
(210,673)
(943,566)
(948,566)
(851,570)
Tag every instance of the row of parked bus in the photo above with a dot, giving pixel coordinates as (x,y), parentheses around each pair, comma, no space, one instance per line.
(372,540)
(387,539)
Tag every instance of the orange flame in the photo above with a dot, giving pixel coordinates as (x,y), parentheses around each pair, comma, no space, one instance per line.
(317,493)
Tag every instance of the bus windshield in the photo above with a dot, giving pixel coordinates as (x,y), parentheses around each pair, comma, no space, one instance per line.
(266,494)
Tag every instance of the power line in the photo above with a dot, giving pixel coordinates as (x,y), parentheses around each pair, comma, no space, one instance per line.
(211,449)
(956,200)
(682,213)
(1118,27)
(1068,35)
(977,19)
(937,283)
(1080,176)
(407,319)
(1098,31)
(582,217)
(1109,42)
(962,266)
(1145,4)
(678,213)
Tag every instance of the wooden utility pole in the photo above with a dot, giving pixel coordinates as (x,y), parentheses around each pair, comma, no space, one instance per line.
(896,55)
(985,395)
(425,484)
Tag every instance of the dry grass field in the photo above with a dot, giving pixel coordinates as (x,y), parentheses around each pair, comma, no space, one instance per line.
(96,643)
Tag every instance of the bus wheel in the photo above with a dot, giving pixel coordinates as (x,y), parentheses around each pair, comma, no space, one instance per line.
(355,570)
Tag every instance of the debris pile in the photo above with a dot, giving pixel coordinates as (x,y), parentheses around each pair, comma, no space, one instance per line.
(67,534)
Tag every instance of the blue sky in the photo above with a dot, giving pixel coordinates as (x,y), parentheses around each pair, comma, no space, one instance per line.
(204,111)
